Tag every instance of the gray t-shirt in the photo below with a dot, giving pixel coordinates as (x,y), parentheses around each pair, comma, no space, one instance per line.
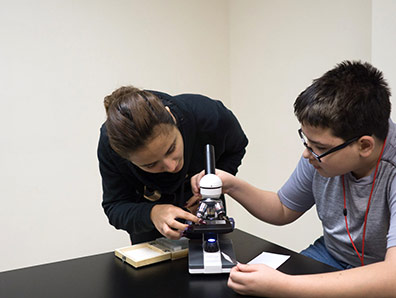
(306,187)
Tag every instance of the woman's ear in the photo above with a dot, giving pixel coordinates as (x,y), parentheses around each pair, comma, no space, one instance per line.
(366,145)
(169,111)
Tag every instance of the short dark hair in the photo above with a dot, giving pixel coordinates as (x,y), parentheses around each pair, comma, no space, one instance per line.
(352,100)
(132,115)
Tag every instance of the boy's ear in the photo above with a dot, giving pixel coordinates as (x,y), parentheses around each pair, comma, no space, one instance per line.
(366,145)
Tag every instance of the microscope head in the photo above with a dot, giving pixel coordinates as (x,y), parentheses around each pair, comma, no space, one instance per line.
(210,186)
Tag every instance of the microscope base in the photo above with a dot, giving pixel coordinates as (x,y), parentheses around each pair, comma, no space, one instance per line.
(200,261)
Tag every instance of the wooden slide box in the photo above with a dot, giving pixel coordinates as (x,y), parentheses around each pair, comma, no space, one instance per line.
(147,253)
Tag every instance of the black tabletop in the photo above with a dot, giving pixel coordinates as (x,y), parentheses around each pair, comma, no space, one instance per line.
(104,275)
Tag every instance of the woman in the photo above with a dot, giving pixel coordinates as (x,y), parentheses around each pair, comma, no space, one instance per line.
(150,146)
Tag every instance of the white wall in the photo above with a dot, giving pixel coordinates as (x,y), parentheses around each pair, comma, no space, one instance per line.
(58,59)
(277,48)
(384,43)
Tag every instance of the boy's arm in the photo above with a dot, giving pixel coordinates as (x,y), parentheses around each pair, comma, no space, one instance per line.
(264,205)
(374,280)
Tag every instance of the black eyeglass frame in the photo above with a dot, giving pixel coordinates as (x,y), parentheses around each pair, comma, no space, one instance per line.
(334,149)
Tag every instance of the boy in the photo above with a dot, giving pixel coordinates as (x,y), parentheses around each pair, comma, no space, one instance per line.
(348,171)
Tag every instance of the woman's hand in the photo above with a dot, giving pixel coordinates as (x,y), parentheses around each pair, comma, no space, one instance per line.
(164,218)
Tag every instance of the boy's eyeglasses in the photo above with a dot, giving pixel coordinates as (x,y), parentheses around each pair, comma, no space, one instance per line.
(334,149)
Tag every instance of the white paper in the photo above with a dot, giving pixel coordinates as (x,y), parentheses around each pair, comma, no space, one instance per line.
(270,259)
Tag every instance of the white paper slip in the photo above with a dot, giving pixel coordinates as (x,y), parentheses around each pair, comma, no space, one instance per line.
(269,259)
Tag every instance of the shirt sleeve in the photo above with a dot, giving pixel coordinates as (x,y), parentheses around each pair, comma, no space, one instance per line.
(222,129)
(391,237)
(296,194)
(122,202)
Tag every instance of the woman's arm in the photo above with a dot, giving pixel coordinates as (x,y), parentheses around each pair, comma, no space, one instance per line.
(125,208)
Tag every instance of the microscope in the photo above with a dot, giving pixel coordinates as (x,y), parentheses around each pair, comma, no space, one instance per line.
(208,251)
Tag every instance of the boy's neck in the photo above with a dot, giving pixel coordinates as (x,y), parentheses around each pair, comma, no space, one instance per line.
(369,163)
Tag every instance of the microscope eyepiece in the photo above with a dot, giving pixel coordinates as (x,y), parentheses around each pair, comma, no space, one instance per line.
(209,159)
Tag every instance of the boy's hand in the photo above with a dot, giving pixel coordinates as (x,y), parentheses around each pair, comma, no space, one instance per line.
(255,280)
(192,204)
(195,184)
(225,177)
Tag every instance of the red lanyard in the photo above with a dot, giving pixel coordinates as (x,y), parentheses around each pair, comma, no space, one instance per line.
(361,257)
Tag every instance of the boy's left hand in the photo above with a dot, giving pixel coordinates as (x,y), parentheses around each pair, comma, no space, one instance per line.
(256,280)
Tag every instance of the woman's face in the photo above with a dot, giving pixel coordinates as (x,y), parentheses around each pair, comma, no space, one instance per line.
(163,153)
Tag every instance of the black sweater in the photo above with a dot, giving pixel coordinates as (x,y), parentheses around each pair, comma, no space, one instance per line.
(201,121)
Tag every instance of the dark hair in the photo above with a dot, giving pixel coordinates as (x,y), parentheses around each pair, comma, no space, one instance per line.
(132,115)
(352,100)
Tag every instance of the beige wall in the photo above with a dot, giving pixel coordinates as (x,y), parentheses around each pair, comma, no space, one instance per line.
(277,48)
(60,58)
(384,42)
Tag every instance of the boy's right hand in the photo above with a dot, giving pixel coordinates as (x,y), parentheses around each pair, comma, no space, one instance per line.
(225,177)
